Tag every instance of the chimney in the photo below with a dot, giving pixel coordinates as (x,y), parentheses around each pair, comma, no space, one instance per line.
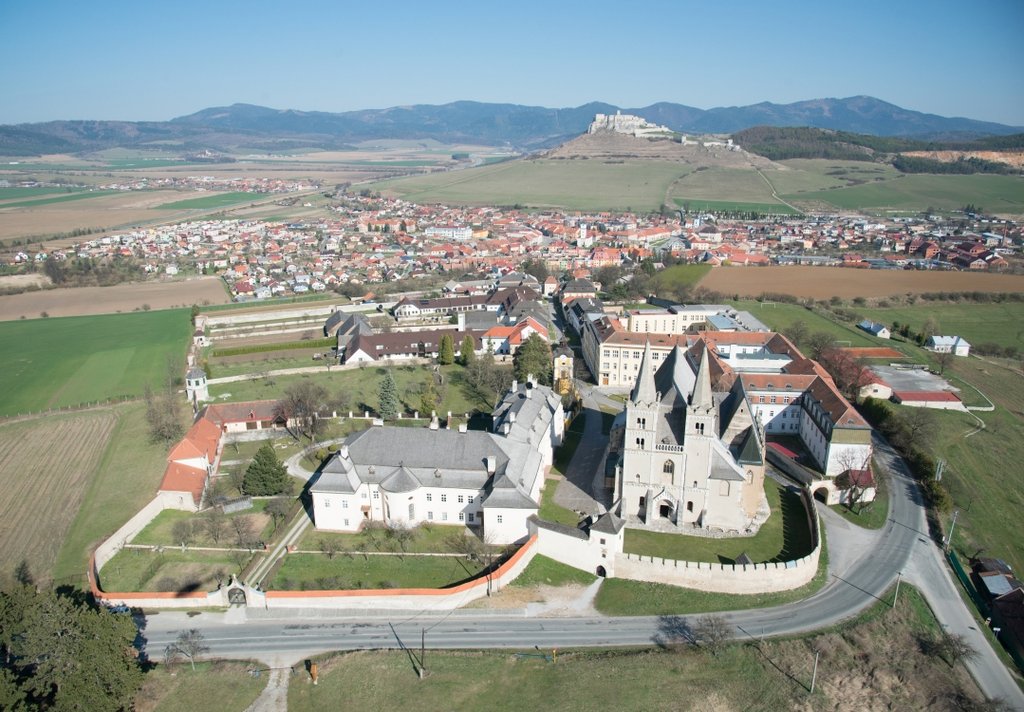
(515,386)
(492,464)
(529,380)
(512,417)
(529,390)
(343,452)
(463,428)
(506,428)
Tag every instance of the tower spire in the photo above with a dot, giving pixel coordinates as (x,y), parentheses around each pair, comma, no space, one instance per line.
(702,388)
(644,391)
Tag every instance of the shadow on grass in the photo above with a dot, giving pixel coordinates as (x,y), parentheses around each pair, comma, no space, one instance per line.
(796,541)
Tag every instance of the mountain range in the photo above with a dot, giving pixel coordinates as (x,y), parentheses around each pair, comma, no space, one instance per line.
(257,128)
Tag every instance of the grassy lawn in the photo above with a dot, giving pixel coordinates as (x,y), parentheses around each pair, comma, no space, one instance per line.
(779,316)
(542,570)
(918,191)
(159,531)
(361,386)
(977,323)
(314,571)
(170,570)
(570,441)
(874,514)
(784,537)
(432,539)
(225,686)
(552,512)
(671,279)
(70,360)
(126,479)
(621,597)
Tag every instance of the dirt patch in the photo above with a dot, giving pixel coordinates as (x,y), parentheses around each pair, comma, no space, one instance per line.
(847,283)
(21,281)
(519,596)
(1010,158)
(107,300)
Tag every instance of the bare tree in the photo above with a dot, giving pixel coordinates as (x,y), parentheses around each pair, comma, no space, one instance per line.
(330,546)
(951,647)
(850,479)
(277,509)
(183,531)
(190,643)
(300,409)
(400,535)
(245,531)
(712,632)
(944,359)
(818,342)
(215,525)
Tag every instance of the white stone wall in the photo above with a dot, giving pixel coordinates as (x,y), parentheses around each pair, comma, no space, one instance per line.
(505,526)
(584,554)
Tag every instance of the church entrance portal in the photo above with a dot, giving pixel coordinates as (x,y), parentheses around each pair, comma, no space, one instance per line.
(665,510)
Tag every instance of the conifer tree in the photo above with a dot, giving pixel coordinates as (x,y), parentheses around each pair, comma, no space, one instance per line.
(388,397)
(467,350)
(266,475)
(446,352)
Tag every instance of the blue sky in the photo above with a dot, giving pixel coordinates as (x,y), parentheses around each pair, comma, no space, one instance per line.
(155,61)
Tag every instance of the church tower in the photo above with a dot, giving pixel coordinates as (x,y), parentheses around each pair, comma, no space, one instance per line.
(701,414)
(642,410)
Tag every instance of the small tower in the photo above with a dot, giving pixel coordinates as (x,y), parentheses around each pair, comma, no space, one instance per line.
(562,358)
(195,386)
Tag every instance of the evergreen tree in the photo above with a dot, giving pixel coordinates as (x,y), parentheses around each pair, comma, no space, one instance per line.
(467,350)
(428,398)
(387,397)
(533,357)
(446,352)
(266,475)
(58,652)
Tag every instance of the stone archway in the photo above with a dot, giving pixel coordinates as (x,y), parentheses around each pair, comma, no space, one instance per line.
(821,494)
(601,572)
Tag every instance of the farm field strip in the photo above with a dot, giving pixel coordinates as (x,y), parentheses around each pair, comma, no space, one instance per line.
(914,192)
(847,283)
(45,467)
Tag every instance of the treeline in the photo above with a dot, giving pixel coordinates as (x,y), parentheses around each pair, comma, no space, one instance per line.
(87,272)
(961,166)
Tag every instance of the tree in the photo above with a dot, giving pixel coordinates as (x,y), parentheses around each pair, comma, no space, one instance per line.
(712,632)
(796,332)
(190,643)
(215,525)
(330,546)
(163,416)
(387,396)
(278,509)
(266,475)
(446,351)
(428,397)
(483,552)
(537,268)
(183,532)
(951,647)
(467,350)
(916,427)
(944,359)
(300,409)
(401,535)
(245,531)
(533,358)
(59,652)
(818,342)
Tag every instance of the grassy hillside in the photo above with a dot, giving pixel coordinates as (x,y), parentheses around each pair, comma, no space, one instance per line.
(54,362)
(916,192)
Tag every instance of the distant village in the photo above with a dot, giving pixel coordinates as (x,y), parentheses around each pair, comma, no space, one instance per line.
(369,240)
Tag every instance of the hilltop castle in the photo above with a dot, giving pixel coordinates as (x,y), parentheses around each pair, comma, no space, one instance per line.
(627,124)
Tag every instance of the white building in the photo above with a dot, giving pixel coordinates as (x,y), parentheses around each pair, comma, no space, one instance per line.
(948,345)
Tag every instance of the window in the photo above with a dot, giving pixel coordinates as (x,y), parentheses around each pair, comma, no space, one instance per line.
(499,519)
(430,497)
(689,506)
(327,503)
(772,399)
(430,515)
(471,517)
(444,498)
(669,467)
(362,495)
(462,499)
(346,522)
(412,511)
(462,517)
(344,504)
(602,540)
(471,498)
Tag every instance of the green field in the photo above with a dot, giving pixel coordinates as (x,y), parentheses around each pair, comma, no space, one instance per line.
(316,571)
(728,206)
(71,360)
(916,192)
(128,163)
(63,198)
(209,202)
(779,316)
(815,174)
(220,686)
(1001,324)
(583,185)
(14,193)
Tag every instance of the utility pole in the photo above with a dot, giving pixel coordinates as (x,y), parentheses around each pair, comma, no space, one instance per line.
(423,652)
(814,675)
(899,575)
(949,539)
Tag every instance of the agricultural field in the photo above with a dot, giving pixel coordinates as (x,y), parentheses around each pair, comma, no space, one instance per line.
(51,363)
(46,467)
(730,206)
(845,283)
(727,190)
(801,175)
(1001,324)
(212,202)
(915,192)
(584,185)
(877,656)
(80,301)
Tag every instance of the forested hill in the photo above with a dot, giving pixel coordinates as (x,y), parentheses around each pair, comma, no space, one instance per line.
(780,144)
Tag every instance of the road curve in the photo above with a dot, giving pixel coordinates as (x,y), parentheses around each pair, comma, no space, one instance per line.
(903,546)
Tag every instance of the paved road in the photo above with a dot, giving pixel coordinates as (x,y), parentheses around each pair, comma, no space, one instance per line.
(902,545)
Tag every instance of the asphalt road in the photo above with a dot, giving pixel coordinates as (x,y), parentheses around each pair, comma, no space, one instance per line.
(902,546)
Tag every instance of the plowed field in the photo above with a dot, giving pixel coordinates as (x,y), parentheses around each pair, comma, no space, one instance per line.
(846,283)
(45,468)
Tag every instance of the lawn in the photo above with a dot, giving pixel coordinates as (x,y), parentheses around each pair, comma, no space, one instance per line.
(916,192)
(169,570)
(784,537)
(361,386)
(431,539)
(63,198)
(221,686)
(548,572)
(584,185)
(316,571)
(671,279)
(779,316)
(552,512)
(125,479)
(65,361)
(159,531)
(211,202)
(978,323)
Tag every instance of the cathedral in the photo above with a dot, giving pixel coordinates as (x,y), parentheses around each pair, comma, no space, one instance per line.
(693,460)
